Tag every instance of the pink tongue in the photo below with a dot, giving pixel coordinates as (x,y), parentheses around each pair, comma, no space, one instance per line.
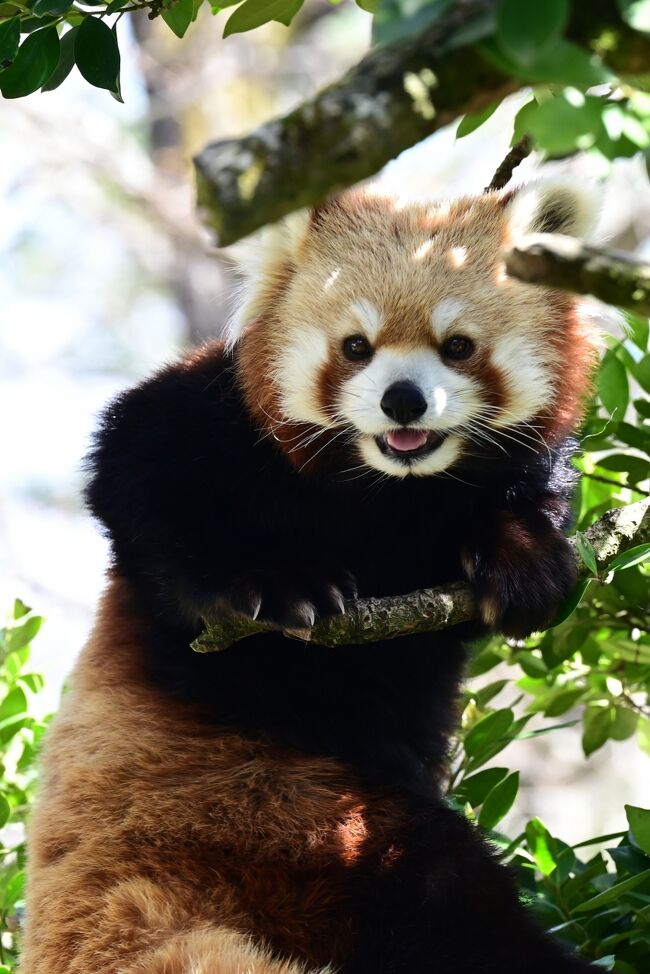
(406,439)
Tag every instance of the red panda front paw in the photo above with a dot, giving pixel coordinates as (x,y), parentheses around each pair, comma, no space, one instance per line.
(521,578)
(291,598)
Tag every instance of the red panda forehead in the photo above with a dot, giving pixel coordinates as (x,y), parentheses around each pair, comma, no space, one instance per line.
(376,227)
(420,253)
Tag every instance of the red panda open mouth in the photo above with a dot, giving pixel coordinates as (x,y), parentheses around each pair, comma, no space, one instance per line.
(408,444)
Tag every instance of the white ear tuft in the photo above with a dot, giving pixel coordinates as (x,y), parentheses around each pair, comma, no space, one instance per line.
(262,261)
(561,205)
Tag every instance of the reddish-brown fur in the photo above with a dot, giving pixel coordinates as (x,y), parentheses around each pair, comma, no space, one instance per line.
(155,832)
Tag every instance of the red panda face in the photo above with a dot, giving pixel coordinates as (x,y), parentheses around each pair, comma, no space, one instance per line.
(392,339)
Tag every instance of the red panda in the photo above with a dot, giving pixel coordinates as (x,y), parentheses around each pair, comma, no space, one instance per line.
(389,412)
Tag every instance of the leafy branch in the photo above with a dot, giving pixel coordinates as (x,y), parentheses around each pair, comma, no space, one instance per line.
(601,549)
(397,95)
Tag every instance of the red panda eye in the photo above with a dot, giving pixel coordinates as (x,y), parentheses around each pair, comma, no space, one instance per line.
(458,347)
(357,347)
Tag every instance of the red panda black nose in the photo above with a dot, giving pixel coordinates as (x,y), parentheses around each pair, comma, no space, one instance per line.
(403,402)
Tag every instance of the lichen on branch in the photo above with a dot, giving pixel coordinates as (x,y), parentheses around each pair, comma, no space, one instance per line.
(563,262)
(426,610)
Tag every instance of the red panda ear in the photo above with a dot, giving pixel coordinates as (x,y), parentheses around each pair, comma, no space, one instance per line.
(553,206)
(265,261)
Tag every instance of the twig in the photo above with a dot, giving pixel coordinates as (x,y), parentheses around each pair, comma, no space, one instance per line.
(515,157)
(426,610)
(615,483)
(562,262)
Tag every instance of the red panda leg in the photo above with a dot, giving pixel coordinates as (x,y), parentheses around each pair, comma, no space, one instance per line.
(212,951)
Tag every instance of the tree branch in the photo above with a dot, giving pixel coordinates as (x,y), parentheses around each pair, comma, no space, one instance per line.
(562,262)
(426,610)
(515,157)
(396,96)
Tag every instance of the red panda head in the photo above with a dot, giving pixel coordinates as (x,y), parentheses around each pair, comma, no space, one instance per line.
(391,336)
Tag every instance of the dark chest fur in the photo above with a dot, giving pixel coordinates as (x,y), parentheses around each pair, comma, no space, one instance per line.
(193,495)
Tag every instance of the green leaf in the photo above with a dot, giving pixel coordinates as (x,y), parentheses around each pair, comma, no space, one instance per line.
(636,467)
(642,407)
(499,801)
(641,372)
(526,29)
(571,602)
(20,609)
(542,846)
(33,681)
(562,63)
(634,556)
(9,40)
(13,704)
(564,701)
(97,54)
(43,8)
(639,822)
(563,124)
(476,787)
(624,724)
(35,61)
(488,692)
(613,893)
(531,664)
(469,123)
(179,16)
(597,725)
(613,387)
(488,730)
(587,553)
(254,13)
(370,6)
(14,890)
(66,61)
(23,634)
(634,436)
(5,811)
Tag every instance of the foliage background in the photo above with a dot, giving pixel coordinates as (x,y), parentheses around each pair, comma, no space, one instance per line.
(105,275)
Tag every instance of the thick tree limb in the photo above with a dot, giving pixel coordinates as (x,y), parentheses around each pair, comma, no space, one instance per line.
(427,610)
(562,262)
(396,96)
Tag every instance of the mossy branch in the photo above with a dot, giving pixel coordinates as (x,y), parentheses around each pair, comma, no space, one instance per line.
(426,610)
(562,262)
(396,96)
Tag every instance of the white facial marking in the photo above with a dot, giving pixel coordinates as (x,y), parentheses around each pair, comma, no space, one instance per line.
(369,316)
(331,279)
(447,453)
(445,313)
(297,376)
(527,378)
(457,256)
(421,252)
(440,398)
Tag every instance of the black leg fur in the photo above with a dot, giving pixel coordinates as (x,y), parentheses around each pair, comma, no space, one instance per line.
(447,906)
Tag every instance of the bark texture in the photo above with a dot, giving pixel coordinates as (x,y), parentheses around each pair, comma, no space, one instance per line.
(562,262)
(426,610)
(396,96)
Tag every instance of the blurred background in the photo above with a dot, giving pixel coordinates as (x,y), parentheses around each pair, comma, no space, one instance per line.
(106,274)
